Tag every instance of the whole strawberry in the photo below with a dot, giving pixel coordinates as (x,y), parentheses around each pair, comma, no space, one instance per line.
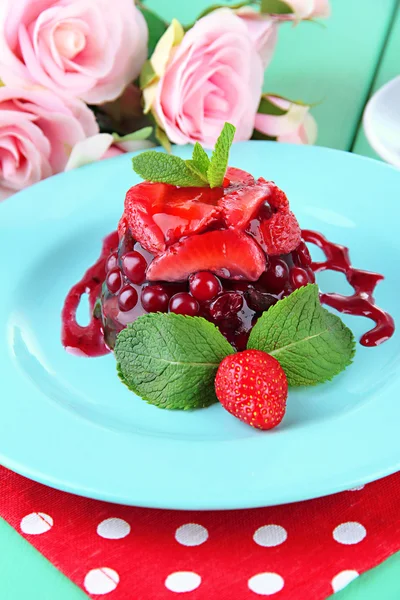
(252,386)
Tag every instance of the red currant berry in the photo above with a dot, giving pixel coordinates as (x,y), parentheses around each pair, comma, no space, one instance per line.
(226,305)
(298,277)
(311,275)
(204,286)
(276,276)
(112,261)
(114,280)
(304,254)
(154,298)
(127,298)
(184,304)
(134,266)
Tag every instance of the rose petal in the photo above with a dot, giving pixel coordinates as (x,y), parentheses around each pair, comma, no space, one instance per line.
(281,125)
(263,31)
(61,45)
(89,150)
(217,58)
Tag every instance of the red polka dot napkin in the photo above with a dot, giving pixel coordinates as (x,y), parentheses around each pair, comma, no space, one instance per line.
(292,552)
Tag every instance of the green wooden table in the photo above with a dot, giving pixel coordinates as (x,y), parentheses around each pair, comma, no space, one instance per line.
(337,66)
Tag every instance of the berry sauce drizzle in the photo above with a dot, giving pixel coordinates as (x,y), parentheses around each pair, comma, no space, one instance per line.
(362,302)
(89,340)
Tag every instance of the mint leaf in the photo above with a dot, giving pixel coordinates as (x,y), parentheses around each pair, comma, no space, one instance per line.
(171,360)
(220,156)
(199,163)
(200,159)
(166,168)
(311,344)
(192,167)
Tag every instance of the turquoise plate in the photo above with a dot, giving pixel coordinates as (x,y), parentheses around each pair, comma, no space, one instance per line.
(69,423)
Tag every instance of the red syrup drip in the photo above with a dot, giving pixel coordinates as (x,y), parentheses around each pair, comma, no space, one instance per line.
(362,302)
(89,340)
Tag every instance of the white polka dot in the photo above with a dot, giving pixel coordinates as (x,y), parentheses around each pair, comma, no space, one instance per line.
(191,534)
(182,581)
(113,529)
(101,581)
(349,533)
(36,523)
(266,584)
(342,579)
(357,488)
(270,535)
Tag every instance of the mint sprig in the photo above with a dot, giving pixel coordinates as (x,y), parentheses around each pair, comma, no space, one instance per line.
(199,171)
(200,159)
(171,360)
(312,344)
(220,156)
(166,168)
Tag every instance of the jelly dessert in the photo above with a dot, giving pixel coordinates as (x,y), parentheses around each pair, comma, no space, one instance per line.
(206,240)
(225,254)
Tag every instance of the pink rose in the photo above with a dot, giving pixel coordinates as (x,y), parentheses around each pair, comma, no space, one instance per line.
(37,133)
(214,75)
(309,9)
(295,125)
(263,31)
(89,49)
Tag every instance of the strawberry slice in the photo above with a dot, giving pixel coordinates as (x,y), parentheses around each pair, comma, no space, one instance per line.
(159,214)
(241,205)
(280,234)
(228,253)
(236,177)
(276,229)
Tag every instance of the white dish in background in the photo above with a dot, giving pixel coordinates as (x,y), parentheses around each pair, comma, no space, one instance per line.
(382,122)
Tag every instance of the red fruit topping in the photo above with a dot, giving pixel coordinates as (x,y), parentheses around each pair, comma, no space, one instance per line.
(122,227)
(252,386)
(228,253)
(259,301)
(241,205)
(127,298)
(279,233)
(226,305)
(237,177)
(159,214)
(134,266)
(275,277)
(112,261)
(138,216)
(154,298)
(114,280)
(204,286)
(311,274)
(184,304)
(278,199)
(303,254)
(298,277)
